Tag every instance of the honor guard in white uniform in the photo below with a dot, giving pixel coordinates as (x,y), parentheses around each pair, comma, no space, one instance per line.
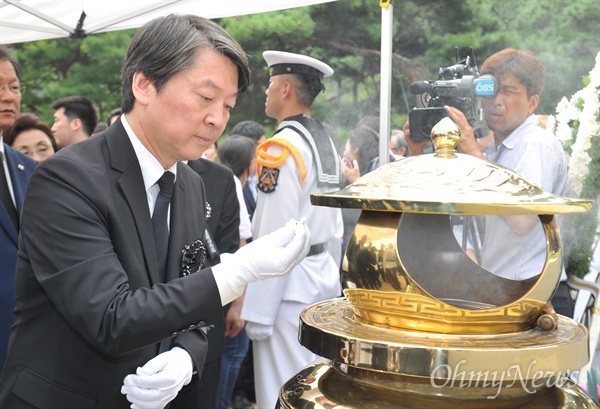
(298,160)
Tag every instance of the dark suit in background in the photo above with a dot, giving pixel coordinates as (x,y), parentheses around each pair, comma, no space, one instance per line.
(249,198)
(90,307)
(20,168)
(223,225)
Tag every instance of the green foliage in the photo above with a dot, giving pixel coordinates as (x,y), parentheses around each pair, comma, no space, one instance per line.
(283,24)
(581,228)
(60,67)
(346,34)
(593,380)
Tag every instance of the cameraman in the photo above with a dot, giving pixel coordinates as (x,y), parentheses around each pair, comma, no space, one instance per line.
(517,246)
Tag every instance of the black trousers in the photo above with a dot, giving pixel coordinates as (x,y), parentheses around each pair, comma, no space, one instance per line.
(562,302)
(201,393)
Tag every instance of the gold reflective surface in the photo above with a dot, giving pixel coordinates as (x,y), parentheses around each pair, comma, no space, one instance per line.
(329,329)
(327,385)
(446,135)
(423,325)
(439,184)
(432,285)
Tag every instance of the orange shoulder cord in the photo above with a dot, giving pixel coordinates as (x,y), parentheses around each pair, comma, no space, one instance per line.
(264,158)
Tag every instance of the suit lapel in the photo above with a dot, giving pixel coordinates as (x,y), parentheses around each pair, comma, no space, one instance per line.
(186,221)
(7,225)
(131,182)
(19,171)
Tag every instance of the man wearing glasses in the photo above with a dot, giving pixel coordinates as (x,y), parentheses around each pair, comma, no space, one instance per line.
(15,170)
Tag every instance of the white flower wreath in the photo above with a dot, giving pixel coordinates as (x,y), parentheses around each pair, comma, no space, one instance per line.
(577,126)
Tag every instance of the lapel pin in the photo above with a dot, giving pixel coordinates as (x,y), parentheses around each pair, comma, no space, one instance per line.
(21,167)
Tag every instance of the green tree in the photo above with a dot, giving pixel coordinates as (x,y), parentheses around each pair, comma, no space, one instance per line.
(60,67)
(564,34)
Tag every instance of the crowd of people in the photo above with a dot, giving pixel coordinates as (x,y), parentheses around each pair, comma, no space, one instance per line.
(158,266)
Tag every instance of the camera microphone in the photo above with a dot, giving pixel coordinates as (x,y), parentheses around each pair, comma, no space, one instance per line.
(420,87)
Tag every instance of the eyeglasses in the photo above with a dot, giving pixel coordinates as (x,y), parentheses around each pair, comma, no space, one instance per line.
(15,89)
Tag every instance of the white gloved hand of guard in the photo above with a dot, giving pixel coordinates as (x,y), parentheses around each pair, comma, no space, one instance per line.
(273,255)
(157,383)
(258,332)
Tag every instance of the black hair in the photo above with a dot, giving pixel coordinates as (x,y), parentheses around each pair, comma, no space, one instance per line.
(251,129)
(237,153)
(169,44)
(80,107)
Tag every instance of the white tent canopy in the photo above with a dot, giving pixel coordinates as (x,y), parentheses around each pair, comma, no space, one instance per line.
(31,20)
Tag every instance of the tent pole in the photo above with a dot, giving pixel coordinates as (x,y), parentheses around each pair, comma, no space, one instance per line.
(387,13)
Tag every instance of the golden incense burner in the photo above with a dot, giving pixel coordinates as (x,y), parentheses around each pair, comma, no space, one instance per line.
(438,329)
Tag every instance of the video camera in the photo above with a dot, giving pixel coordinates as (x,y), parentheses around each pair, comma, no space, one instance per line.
(459,86)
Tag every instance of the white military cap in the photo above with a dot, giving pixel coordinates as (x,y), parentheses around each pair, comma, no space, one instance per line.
(281,62)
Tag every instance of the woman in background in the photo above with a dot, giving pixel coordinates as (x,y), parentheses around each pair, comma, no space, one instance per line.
(32,137)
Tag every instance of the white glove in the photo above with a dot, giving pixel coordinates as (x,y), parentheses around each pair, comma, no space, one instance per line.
(157,383)
(258,332)
(273,255)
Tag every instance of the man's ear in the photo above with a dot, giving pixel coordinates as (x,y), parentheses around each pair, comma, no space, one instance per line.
(75,124)
(287,90)
(142,88)
(534,101)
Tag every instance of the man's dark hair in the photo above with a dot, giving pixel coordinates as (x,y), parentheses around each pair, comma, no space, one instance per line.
(308,86)
(80,107)
(7,55)
(367,142)
(167,45)
(522,64)
(250,129)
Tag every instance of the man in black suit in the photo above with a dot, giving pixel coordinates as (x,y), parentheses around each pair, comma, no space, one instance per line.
(15,171)
(221,236)
(96,324)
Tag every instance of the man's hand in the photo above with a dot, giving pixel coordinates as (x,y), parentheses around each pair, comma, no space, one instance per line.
(233,322)
(350,170)
(414,148)
(273,255)
(467,143)
(157,383)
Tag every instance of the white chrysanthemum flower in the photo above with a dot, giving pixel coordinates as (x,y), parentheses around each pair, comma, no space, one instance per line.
(562,110)
(588,128)
(563,132)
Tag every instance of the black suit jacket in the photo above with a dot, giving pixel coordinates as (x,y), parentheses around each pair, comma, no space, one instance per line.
(249,199)
(89,305)
(224,227)
(20,168)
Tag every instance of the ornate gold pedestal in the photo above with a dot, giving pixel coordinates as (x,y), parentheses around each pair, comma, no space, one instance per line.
(373,367)
(434,328)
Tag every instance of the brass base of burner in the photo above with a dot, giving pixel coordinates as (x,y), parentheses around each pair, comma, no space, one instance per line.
(369,366)
(325,385)
(329,329)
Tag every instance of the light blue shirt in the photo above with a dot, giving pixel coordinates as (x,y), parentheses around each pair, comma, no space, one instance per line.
(540,159)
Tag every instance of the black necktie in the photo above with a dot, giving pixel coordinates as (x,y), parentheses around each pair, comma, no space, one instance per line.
(5,195)
(159,222)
